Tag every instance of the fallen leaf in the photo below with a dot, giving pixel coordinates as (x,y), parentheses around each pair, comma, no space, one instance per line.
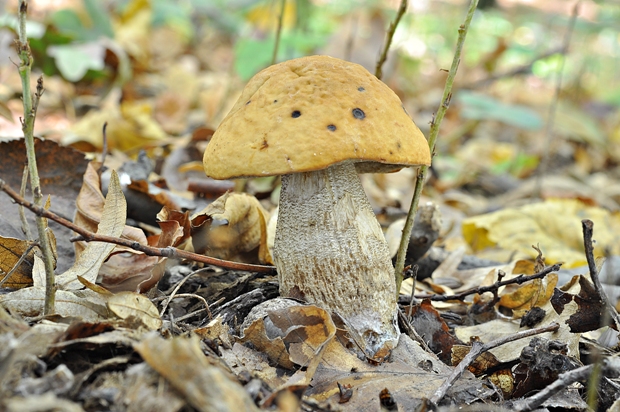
(293,335)
(204,385)
(231,228)
(126,304)
(553,224)
(11,251)
(88,263)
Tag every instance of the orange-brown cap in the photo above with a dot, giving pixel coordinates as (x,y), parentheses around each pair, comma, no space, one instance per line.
(310,113)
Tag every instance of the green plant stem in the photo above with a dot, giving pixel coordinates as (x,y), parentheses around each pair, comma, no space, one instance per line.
(435,123)
(276,46)
(388,38)
(30,108)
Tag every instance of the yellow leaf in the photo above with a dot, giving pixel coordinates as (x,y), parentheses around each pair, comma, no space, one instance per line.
(553,224)
(126,304)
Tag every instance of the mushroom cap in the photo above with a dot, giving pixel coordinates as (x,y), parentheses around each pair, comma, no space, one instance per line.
(309,113)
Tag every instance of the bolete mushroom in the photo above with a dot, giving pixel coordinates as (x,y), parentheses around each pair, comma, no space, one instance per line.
(318,121)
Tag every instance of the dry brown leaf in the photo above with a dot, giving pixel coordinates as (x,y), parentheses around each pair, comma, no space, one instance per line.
(175,227)
(230,228)
(88,263)
(132,272)
(534,293)
(85,304)
(90,202)
(501,327)
(250,362)
(182,363)
(406,381)
(11,250)
(129,304)
(216,331)
(291,336)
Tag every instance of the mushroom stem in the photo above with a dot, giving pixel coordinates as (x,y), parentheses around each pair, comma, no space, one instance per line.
(329,250)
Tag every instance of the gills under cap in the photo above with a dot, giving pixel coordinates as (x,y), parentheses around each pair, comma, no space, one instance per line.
(309,113)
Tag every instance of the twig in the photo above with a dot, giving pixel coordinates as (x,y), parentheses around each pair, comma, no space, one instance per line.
(388,38)
(514,72)
(445,102)
(479,348)
(563,381)
(31,103)
(169,252)
(544,162)
(104,149)
(189,295)
(494,287)
(276,45)
(22,213)
(588,231)
(411,332)
(174,291)
(593,383)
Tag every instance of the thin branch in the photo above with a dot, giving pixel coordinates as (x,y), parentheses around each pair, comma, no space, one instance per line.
(436,122)
(22,213)
(169,252)
(544,162)
(588,231)
(388,38)
(276,46)
(563,381)
(494,287)
(31,103)
(478,349)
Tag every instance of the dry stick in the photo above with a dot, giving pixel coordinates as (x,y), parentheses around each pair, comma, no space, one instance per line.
(593,383)
(276,46)
(494,287)
(169,252)
(588,231)
(388,38)
(544,162)
(30,111)
(478,349)
(445,102)
(563,381)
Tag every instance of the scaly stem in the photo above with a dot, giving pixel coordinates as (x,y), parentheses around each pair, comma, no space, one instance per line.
(445,103)
(30,108)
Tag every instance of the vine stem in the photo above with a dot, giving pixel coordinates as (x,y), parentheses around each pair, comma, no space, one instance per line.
(31,103)
(435,123)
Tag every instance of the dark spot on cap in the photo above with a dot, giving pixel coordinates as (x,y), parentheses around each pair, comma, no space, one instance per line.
(275,101)
(360,89)
(248,102)
(391,152)
(398,145)
(358,113)
(264,145)
(331,128)
(295,114)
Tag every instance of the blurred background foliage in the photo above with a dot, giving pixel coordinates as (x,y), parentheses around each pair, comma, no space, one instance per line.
(530,86)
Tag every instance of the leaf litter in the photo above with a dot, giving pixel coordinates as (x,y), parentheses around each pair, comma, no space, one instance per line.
(131,331)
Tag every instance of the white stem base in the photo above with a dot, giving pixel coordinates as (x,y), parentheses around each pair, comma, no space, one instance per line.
(329,250)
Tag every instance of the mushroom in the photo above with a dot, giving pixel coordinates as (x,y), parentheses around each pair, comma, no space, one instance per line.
(318,121)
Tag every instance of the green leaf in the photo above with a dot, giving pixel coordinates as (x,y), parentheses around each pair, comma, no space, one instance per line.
(481,107)
(252,55)
(74,60)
